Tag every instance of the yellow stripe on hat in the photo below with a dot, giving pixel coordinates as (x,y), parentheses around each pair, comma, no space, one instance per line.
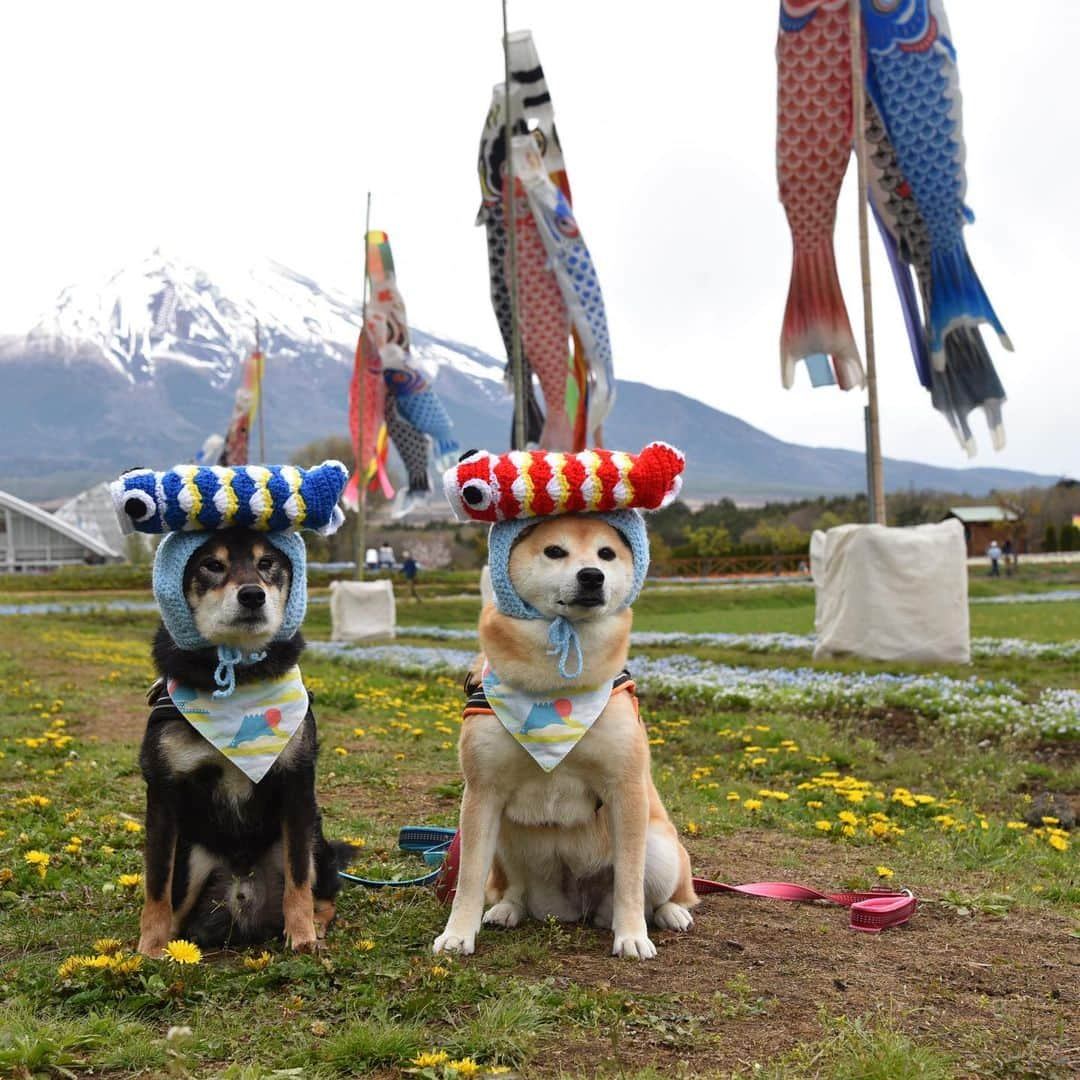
(624,490)
(261,499)
(225,498)
(592,467)
(189,497)
(557,464)
(293,478)
(524,465)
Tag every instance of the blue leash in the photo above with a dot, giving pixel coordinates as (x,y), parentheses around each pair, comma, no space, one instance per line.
(431,841)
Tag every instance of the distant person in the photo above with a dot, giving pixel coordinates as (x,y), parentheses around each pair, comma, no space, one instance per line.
(993,552)
(371,559)
(386,556)
(1007,554)
(410,569)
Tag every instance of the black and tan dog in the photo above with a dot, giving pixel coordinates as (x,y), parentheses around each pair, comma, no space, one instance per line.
(229,861)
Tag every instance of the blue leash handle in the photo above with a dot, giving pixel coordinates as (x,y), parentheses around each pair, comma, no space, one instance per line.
(430,840)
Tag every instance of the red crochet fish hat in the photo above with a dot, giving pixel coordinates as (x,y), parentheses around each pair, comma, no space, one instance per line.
(539,483)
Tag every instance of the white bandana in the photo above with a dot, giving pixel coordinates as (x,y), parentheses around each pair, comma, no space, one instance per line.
(253,725)
(548,728)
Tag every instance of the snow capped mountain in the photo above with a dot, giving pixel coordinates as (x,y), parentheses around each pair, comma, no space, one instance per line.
(166,310)
(140,368)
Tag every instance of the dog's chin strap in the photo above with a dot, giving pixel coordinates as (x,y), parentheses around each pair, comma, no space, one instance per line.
(225,672)
(561,638)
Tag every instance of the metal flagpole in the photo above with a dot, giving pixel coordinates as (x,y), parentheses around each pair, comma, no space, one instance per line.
(262,400)
(516,366)
(875,471)
(361,507)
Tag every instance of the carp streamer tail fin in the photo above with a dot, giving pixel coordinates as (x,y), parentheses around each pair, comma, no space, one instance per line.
(957,299)
(816,320)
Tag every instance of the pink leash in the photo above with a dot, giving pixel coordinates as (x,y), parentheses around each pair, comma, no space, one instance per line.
(871,912)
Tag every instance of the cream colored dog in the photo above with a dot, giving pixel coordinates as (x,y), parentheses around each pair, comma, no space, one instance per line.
(590,839)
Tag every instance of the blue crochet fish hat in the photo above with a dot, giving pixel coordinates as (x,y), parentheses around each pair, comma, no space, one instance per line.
(197,498)
(189,503)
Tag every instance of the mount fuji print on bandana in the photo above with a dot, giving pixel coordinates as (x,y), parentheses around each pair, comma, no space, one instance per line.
(547,729)
(253,725)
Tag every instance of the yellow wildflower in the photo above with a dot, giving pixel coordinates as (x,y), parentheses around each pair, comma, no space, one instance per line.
(359,732)
(129,881)
(71,965)
(848,830)
(318,1027)
(128,965)
(758,761)
(884,872)
(439,972)
(340,751)
(1060,843)
(464,1067)
(365,945)
(824,826)
(132,826)
(814,804)
(1016,824)
(430,1058)
(40,859)
(183,952)
(107,945)
(847,817)
(257,963)
(1047,820)
(692,828)
(733,796)
(753,804)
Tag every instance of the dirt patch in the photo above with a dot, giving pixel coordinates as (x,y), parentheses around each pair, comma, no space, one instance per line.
(751,979)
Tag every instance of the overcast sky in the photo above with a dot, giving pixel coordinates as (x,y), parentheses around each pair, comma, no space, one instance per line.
(231,131)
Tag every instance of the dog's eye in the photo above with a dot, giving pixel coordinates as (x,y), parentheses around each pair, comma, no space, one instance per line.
(266,563)
(215,566)
(553,551)
(606,553)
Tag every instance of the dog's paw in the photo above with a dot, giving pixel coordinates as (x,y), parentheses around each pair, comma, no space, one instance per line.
(153,946)
(635,946)
(455,942)
(505,913)
(672,916)
(304,939)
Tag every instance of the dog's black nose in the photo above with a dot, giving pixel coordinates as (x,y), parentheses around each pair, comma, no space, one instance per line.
(251,596)
(590,577)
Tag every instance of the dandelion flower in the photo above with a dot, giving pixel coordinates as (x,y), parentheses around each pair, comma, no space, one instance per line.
(365,945)
(132,826)
(1060,843)
(848,818)
(439,972)
(183,952)
(1047,820)
(430,1058)
(129,881)
(71,965)
(692,828)
(884,872)
(824,826)
(318,1027)
(107,945)
(257,963)
(733,796)
(1016,825)
(358,732)
(753,804)
(464,1067)
(39,859)
(848,830)
(340,751)
(815,804)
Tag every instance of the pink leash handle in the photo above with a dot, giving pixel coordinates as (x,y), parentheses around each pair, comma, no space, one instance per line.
(871,912)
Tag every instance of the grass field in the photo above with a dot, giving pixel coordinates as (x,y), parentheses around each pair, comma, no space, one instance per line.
(848,792)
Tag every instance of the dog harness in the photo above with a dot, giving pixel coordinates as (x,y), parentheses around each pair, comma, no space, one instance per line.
(548,728)
(253,725)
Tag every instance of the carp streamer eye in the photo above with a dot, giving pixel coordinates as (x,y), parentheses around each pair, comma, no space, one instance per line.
(139,506)
(469,455)
(477,494)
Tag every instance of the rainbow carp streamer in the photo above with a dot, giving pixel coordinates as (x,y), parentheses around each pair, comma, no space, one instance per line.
(202,498)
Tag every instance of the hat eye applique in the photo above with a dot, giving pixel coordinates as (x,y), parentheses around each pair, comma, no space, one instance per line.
(477,494)
(140,506)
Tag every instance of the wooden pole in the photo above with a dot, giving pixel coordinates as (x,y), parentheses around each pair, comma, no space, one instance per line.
(262,400)
(360,547)
(858,125)
(517,371)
